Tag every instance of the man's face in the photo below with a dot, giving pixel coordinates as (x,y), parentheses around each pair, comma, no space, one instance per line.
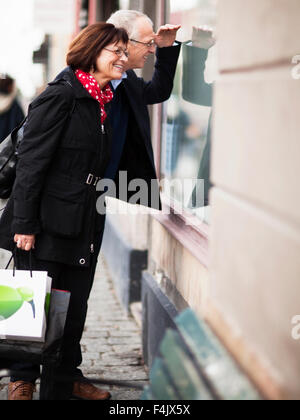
(138,53)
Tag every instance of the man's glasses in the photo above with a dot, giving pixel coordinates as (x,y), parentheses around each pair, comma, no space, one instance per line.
(119,52)
(148,44)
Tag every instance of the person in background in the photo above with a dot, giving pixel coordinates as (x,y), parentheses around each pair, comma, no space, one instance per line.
(11,113)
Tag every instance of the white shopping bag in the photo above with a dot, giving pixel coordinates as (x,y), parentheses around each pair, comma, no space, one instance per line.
(22,304)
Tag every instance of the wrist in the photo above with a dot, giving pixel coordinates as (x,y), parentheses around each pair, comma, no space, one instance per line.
(174,44)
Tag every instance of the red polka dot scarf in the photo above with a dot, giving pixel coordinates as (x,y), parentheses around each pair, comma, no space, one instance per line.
(91,85)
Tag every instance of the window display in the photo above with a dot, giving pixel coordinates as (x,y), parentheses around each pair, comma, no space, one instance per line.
(186,131)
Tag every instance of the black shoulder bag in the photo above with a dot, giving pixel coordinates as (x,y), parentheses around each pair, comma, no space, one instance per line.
(8,159)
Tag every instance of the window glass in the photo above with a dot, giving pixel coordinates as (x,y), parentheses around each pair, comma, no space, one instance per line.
(186,131)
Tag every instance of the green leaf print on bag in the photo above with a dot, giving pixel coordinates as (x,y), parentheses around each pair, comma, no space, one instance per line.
(11,300)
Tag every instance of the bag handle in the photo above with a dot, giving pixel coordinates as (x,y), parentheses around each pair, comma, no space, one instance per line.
(14,257)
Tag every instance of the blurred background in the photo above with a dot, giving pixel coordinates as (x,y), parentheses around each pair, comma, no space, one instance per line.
(34,38)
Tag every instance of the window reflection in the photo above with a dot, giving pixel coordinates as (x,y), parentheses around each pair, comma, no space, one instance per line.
(187,115)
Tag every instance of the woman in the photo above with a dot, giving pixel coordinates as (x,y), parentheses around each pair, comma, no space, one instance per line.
(64,152)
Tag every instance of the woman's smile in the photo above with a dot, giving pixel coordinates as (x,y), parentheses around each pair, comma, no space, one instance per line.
(120,67)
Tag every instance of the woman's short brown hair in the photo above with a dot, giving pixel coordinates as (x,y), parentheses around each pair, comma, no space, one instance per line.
(87,46)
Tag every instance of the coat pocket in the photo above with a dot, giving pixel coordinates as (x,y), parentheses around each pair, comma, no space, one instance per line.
(63,209)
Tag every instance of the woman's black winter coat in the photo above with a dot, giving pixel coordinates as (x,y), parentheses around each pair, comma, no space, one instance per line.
(63,143)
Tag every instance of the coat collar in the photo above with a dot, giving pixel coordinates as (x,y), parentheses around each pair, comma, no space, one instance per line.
(68,75)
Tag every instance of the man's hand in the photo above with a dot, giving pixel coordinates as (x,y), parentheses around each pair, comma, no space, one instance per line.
(203,37)
(166,35)
(25,242)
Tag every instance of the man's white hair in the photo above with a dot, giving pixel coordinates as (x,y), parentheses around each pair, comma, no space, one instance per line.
(127,19)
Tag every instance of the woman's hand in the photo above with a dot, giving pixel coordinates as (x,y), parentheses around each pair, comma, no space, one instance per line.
(25,242)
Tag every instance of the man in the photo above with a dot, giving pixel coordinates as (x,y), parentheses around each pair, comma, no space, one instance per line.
(132,150)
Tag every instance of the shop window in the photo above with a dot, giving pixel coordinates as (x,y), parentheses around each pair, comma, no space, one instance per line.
(186,126)
(84,14)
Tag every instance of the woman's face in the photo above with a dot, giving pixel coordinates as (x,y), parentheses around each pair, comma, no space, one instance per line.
(112,61)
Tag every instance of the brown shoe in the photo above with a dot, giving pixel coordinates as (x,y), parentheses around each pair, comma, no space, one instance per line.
(87,391)
(20,390)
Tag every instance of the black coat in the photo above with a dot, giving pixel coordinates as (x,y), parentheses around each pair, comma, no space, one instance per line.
(62,145)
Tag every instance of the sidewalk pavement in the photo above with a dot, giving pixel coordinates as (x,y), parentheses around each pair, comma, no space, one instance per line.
(111,342)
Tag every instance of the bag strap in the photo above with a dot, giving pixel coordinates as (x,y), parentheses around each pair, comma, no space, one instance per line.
(10,260)
(14,133)
(14,257)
